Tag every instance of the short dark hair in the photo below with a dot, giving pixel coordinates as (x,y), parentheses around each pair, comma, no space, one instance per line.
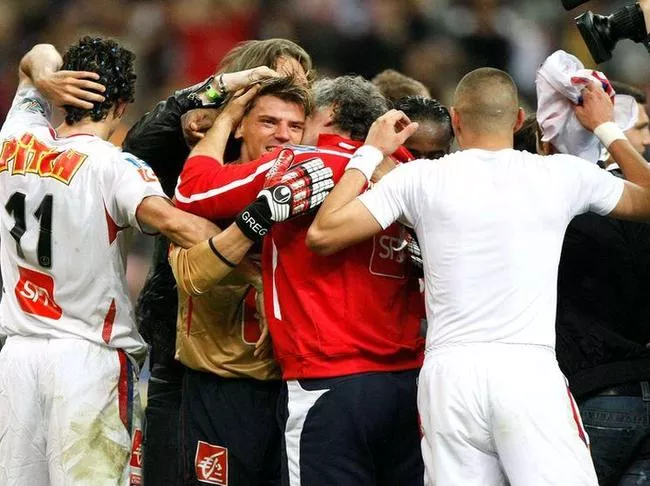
(253,53)
(528,135)
(626,89)
(287,90)
(395,85)
(421,109)
(113,63)
(356,102)
(487,99)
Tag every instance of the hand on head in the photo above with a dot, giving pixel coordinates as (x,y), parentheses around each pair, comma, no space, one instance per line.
(390,130)
(596,108)
(243,79)
(79,89)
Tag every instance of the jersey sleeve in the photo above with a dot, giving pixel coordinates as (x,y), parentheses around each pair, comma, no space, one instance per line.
(588,187)
(28,109)
(214,191)
(133,181)
(395,196)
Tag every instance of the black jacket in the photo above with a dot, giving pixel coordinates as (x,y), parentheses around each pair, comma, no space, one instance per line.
(603,319)
(157,138)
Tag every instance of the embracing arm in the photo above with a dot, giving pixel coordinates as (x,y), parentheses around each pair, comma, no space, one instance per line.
(184,229)
(40,67)
(199,268)
(343,219)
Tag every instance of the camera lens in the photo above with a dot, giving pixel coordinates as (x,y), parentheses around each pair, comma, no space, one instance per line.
(601,33)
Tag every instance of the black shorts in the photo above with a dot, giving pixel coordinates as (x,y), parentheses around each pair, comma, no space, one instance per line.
(229,431)
(354,430)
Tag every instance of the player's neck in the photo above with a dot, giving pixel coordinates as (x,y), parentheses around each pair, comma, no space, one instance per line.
(85,127)
(492,141)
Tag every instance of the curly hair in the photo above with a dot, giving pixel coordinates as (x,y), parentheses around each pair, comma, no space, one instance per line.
(356,102)
(421,109)
(113,63)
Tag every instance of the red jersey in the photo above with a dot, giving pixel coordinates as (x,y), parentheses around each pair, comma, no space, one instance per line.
(328,316)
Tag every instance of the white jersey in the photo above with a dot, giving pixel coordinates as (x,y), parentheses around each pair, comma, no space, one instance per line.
(491,227)
(68,211)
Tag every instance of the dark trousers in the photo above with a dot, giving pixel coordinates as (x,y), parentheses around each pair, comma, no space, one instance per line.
(229,431)
(161,457)
(354,430)
(618,423)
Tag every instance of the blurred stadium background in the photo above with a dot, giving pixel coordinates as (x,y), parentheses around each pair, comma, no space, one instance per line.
(179,42)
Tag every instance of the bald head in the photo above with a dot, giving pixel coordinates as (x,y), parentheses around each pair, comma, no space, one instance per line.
(486,101)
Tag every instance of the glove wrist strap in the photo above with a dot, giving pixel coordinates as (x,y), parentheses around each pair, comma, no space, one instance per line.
(255,220)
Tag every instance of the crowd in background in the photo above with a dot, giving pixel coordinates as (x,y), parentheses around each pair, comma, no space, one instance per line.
(434,41)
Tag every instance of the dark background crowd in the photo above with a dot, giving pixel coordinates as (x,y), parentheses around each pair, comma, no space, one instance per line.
(178,43)
(435,41)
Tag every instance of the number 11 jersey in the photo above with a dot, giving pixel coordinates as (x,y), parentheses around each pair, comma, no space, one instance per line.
(68,211)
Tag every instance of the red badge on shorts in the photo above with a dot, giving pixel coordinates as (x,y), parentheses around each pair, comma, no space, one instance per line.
(35,294)
(136,459)
(211,464)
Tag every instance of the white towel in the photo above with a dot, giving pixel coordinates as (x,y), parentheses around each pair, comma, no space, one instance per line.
(559,84)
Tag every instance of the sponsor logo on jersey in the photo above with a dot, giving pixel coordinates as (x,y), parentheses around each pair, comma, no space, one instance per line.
(136,459)
(33,105)
(211,464)
(28,155)
(388,254)
(146,172)
(35,294)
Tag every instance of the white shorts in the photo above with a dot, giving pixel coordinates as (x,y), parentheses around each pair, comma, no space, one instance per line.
(68,413)
(496,411)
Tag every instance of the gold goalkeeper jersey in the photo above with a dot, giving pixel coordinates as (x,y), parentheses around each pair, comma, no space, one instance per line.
(217,330)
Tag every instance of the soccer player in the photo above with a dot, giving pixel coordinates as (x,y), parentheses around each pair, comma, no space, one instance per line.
(490,221)
(226,351)
(434,135)
(71,200)
(343,333)
(159,138)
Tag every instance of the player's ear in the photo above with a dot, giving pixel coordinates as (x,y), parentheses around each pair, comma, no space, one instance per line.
(120,109)
(521,116)
(239,131)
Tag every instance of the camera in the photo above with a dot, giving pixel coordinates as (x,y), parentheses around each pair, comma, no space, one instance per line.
(602,32)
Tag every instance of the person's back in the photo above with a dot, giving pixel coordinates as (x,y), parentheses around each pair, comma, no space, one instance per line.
(492,225)
(493,402)
(61,193)
(68,368)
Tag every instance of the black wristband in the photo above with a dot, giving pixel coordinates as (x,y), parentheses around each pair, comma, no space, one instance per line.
(221,257)
(255,220)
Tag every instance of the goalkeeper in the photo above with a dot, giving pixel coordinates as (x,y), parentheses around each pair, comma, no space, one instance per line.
(343,332)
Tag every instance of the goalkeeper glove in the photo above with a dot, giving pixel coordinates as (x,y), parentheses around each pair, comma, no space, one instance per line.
(288,192)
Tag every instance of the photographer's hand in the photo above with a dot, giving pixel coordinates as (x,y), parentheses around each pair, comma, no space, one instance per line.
(645,8)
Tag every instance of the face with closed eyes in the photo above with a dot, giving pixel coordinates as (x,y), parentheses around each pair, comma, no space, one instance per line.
(430,141)
(270,123)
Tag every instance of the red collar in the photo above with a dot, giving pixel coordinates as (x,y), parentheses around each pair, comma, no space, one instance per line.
(336,142)
(342,144)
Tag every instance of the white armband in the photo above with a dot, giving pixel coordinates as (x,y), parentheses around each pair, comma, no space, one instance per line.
(608,133)
(366,159)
